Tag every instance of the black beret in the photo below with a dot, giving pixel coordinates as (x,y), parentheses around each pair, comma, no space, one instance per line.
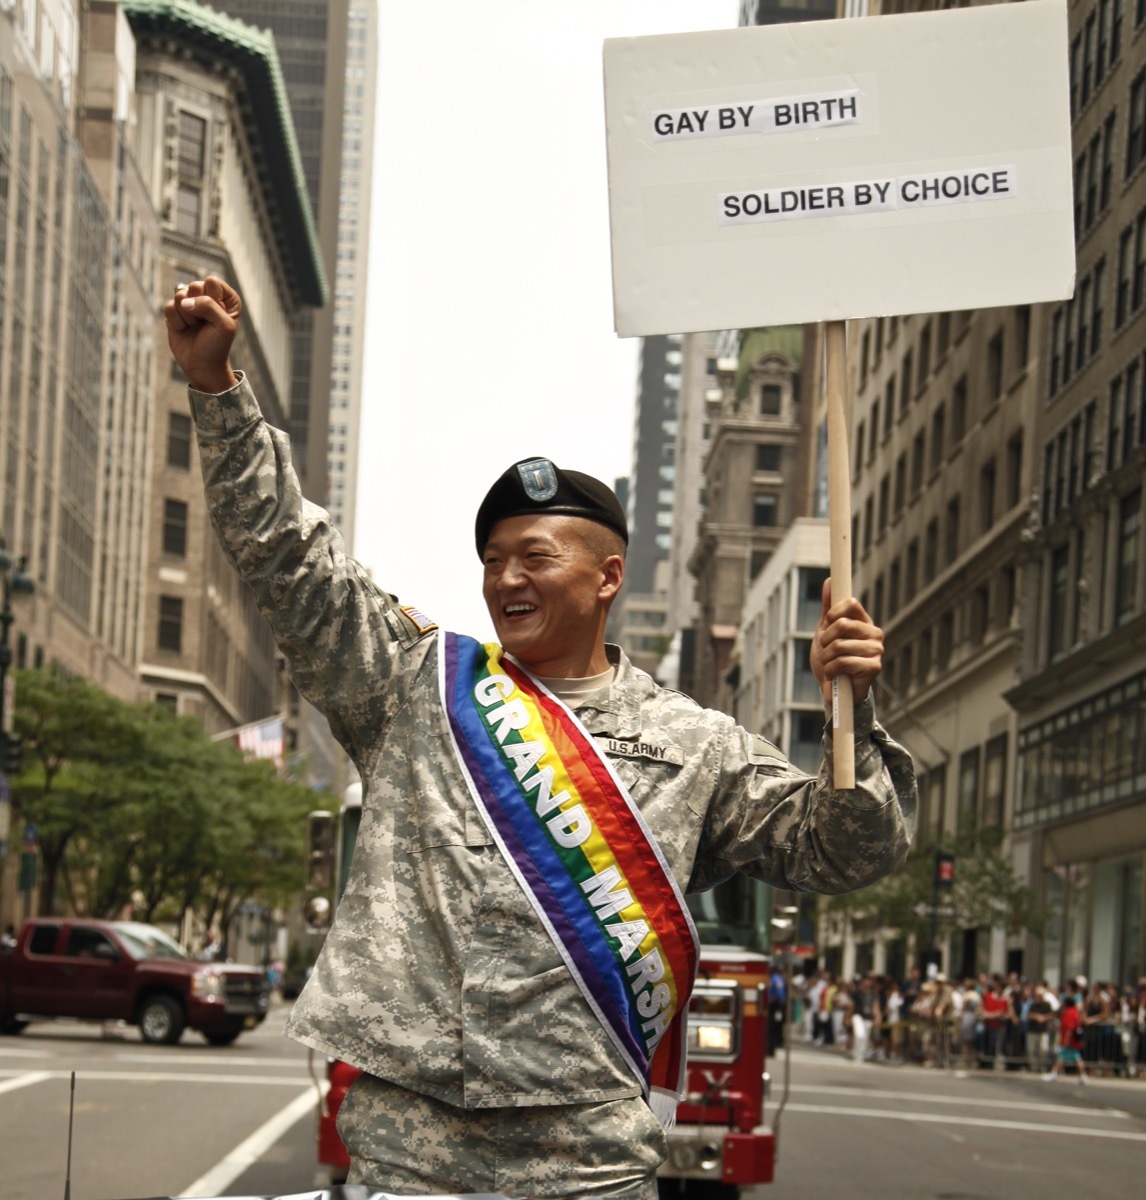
(536,485)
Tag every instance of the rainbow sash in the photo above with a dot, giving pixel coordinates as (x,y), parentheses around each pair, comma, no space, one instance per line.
(581,851)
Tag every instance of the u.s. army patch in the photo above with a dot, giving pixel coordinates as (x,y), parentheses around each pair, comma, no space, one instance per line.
(418,619)
(618,748)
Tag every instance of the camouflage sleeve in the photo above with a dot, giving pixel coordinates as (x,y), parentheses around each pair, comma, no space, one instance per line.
(799,833)
(343,637)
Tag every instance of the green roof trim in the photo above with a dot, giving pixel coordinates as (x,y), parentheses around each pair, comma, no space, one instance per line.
(784,339)
(215,38)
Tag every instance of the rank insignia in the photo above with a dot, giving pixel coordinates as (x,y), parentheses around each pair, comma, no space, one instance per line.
(538,478)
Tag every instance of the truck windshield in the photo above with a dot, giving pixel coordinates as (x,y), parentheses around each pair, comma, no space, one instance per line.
(145,941)
(731,914)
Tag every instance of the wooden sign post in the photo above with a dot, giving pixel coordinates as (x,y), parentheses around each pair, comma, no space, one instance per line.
(840,169)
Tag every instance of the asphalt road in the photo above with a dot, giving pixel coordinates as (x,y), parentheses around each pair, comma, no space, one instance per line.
(196,1120)
(184,1120)
(870,1131)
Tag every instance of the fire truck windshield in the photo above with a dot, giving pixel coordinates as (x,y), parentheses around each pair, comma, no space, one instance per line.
(734,913)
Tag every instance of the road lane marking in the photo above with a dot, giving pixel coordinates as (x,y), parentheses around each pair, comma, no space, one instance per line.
(26,1080)
(247,1152)
(916,1097)
(171,1077)
(947,1119)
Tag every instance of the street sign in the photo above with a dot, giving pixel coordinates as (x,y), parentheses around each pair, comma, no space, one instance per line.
(825,170)
(941,911)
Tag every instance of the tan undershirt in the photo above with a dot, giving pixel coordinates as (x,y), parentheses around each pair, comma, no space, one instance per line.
(569,691)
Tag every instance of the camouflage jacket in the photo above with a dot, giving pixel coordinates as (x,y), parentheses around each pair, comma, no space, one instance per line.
(436,973)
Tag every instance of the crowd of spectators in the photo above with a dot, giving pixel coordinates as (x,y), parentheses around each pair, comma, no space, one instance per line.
(986,1023)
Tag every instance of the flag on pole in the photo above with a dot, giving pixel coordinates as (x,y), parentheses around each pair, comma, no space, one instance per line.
(260,739)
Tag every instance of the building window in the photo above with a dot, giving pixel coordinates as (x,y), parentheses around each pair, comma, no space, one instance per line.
(905,376)
(1014,470)
(764,509)
(959,410)
(179,440)
(987,495)
(911,573)
(938,421)
(995,366)
(968,789)
(175,528)
(1056,625)
(188,201)
(768,458)
(951,547)
(995,781)
(946,640)
(931,550)
(980,610)
(917,456)
(893,583)
(1136,136)
(899,493)
(192,146)
(1126,583)
(171,623)
(770,399)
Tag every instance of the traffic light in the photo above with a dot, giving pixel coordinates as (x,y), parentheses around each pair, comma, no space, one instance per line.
(320,850)
(12,754)
(944,869)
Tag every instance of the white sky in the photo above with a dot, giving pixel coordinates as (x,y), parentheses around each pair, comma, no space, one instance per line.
(489,320)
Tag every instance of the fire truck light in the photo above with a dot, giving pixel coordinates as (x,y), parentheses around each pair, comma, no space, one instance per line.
(714,1037)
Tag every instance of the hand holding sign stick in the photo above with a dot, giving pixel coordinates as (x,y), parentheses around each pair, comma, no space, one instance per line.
(778,175)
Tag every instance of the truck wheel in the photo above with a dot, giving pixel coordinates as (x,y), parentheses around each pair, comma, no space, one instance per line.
(696,1189)
(12,1026)
(161,1020)
(221,1037)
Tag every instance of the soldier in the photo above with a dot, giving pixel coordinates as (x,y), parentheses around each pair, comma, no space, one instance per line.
(511,960)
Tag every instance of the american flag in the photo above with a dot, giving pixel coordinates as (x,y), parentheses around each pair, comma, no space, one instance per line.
(263,739)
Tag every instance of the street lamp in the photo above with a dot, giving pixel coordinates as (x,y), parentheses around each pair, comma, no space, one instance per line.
(17,582)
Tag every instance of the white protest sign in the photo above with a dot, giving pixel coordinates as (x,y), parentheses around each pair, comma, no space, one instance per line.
(835,169)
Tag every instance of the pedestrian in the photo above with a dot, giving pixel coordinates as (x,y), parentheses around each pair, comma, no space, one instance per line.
(994,1010)
(1040,1028)
(970,1024)
(511,959)
(1069,1052)
(777,1010)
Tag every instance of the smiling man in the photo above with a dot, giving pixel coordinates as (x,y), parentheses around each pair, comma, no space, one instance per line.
(512,957)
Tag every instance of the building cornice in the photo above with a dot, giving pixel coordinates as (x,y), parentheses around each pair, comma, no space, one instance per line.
(223,44)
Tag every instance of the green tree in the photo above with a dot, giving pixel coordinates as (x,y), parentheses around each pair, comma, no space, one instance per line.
(986,892)
(75,736)
(136,807)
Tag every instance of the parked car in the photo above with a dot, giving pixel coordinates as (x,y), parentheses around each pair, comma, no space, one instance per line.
(125,971)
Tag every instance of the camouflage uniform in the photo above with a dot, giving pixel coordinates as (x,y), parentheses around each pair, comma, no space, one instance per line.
(436,974)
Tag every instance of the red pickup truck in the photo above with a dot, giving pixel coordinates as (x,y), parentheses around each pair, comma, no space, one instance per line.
(125,971)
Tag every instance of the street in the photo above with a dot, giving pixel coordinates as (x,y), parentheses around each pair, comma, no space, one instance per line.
(877,1130)
(194,1120)
(190,1119)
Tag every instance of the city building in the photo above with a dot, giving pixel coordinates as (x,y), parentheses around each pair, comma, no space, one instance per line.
(79,247)
(328,51)
(215,143)
(776,693)
(1079,820)
(639,617)
(752,488)
(310,41)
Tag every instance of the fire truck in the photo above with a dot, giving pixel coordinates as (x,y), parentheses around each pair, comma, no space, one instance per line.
(720,1142)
